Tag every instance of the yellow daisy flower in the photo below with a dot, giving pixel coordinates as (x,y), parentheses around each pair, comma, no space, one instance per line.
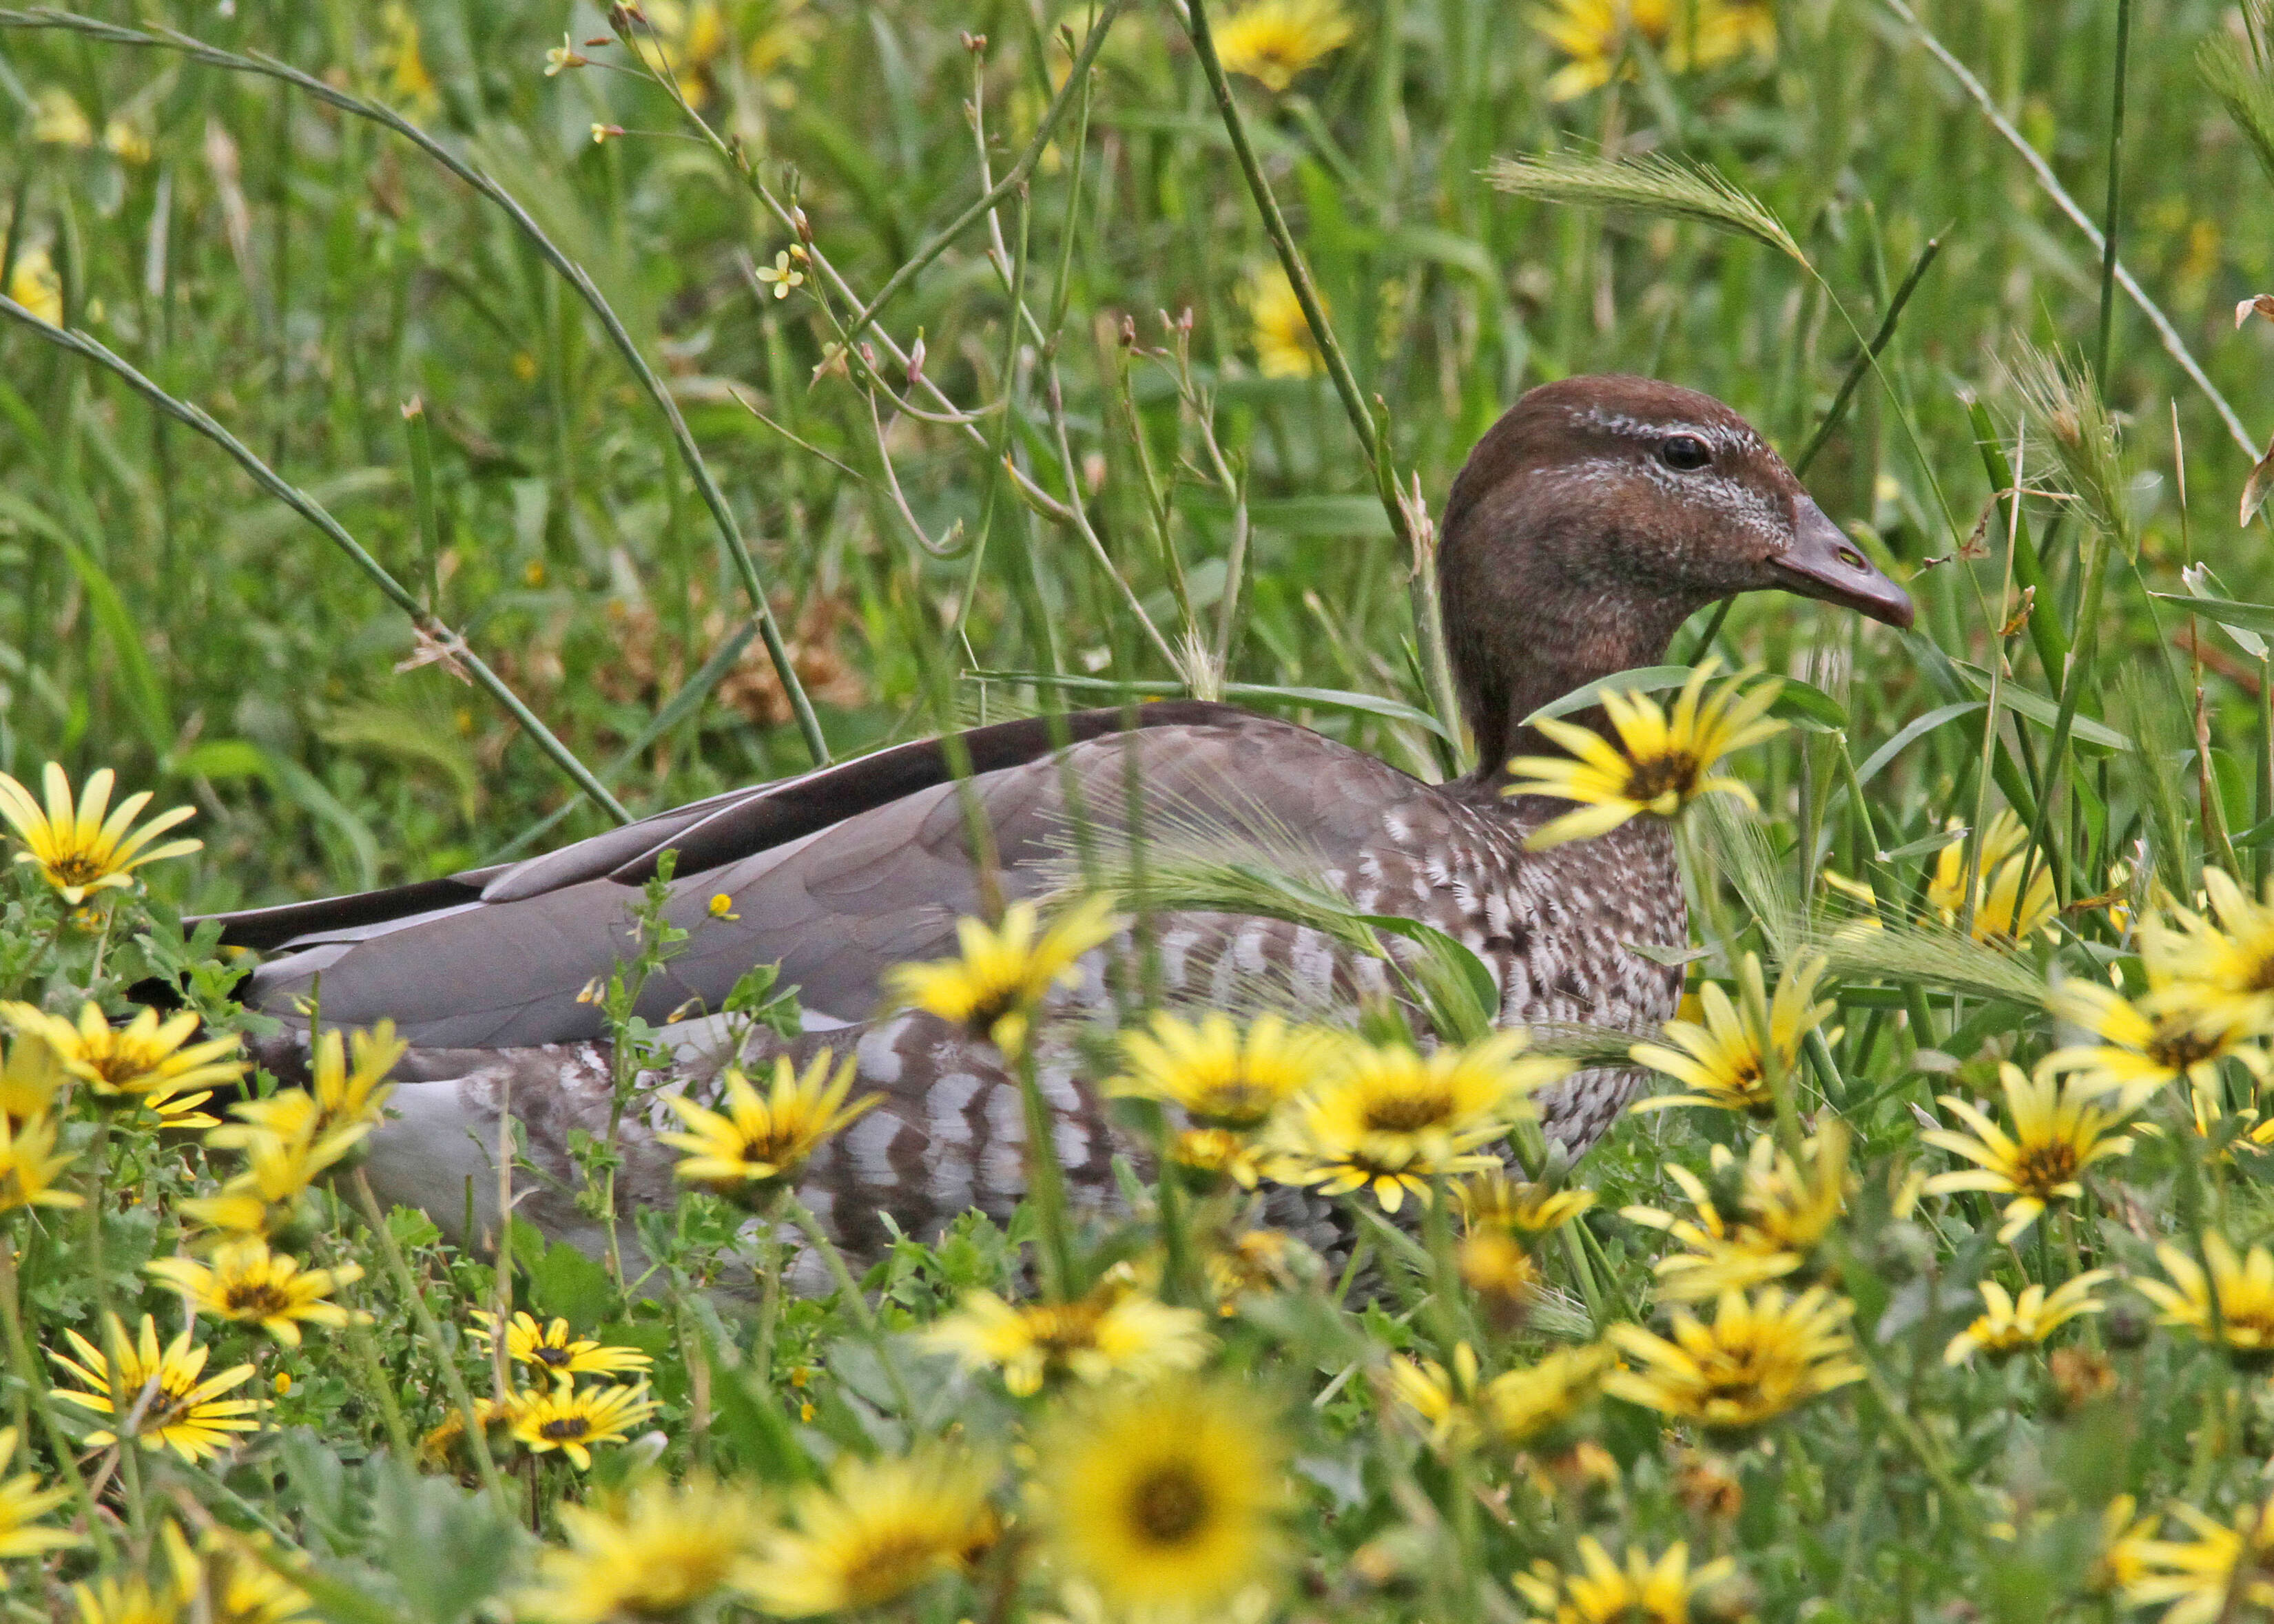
(31,1077)
(572,1420)
(1255,1261)
(1660,764)
(1273,41)
(22,1503)
(1603,1592)
(444,1447)
(2059,1131)
(1004,976)
(1500,1270)
(1218,1075)
(355,1095)
(131,1598)
(2127,1539)
(2001,914)
(760,1141)
(1767,1222)
(1113,1331)
(252,1285)
(29,1164)
(2140,1053)
(182,1413)
(1532,1407)
(656,1552)
(1391,1119)
(549,1348)
(1285,347)
(145,1057)
(1762,1356)
(1164,1499)
(875,1531)
(265,1199)
(1210,1158)
(2221,974)
(1444,1400)
(76,849)
(238,1586)
(2226,1571)
(1725,1060)
(2239,1295)
(2009,1324)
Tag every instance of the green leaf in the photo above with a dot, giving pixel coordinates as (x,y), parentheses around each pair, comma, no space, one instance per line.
(1464,998)
(2044,712)
(2225,611)
(1916,728)
(566,1284)
(224,760)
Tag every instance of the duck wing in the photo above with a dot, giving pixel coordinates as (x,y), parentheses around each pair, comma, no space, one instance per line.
(835,874)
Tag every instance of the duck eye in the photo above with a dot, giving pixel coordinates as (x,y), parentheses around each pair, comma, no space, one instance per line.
(1685,452)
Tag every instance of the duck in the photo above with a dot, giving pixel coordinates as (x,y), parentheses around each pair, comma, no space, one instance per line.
(1593,518)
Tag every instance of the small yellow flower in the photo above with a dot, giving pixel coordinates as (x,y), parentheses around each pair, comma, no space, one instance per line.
(1726,1061)
(781,276)
(1257,1261)
(1285,347)
(549,1348)
(1273,41)
(1113,1331)
(22,1503)
(722,906)
(995,988)
(1603,1592)
(408,81)
(563,56)
(878,1530)
(1762,1356)
(1497,1267)
(601,132)
(1391,1119)
(2001,914)
(252,1285)
(572,1420)
(2226,1571)
(57,120)
(2140,1053)
(656,1552)
(1210,1157)
(1220,1076)
(34,285)
(2238,1297)
(762,1140)
(29,1165)
(2057,1133)
(2127,1539)
(2010,1324)
(1528,1212)
(1660,764)
(1165,1498)
(182,1413)
(76,849)
(1533,1406)
(144,1057)
(1687,35)
(1758,1222)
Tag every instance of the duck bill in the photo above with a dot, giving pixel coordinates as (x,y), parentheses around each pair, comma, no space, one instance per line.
(1823,563)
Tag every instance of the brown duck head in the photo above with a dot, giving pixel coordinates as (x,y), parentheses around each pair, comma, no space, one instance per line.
(1598,515)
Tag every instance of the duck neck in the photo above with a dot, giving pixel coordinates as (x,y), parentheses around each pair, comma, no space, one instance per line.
(1560,646)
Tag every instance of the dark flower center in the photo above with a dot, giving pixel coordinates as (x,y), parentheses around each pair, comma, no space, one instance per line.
(1675,771)
(1408,1113)
(1168,1504)
(2178,1049)
(255,1299)
(887,1565)
(78,869)
(567,1429)
(547,1354)
(2040,1168)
